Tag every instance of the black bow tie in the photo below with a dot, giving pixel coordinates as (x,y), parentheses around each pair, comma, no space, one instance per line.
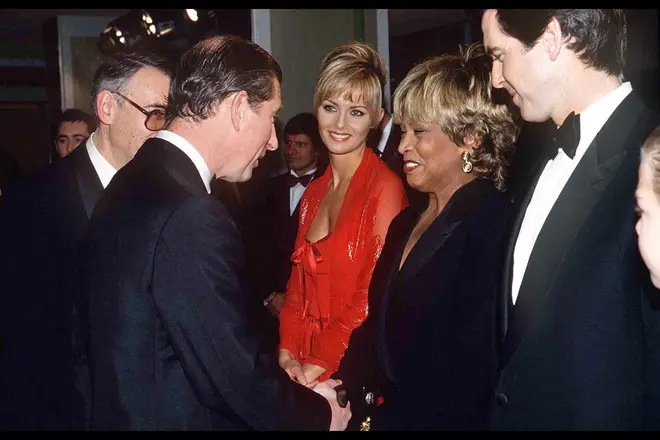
(303,180)
(567,137)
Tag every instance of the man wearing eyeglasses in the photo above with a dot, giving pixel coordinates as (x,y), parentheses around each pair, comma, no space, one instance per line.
(41,224)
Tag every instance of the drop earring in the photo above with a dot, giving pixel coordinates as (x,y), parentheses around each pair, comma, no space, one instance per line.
(467,163)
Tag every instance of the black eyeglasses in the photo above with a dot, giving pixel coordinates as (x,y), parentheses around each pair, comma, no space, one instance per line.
(155,118)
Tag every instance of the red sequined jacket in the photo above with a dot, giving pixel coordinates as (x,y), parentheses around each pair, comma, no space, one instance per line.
(326,295)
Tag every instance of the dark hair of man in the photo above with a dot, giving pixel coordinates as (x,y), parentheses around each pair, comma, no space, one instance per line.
(600,34)
(74,115)
(116,72)
(215,68)
(305,123)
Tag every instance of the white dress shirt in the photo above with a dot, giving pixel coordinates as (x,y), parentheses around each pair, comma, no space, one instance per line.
(384,136)
(191,152)
(296,191)
(103,169)
(553,178)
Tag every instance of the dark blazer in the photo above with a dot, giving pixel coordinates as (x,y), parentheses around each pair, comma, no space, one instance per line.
(41,222)
(169,343)
(429,345)
(582,344)
(394,160)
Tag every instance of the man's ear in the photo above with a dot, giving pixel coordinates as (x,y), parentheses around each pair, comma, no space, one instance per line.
(552,39)
(238,107)
(105,107)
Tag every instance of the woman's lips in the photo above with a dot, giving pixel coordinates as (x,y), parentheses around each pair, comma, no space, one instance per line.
(338,137)
(409,165)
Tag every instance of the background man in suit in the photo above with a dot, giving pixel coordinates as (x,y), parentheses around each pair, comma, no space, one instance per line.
(582,344)
(170,346)
(41,224)
(384,140)
(270,233)
(71,128)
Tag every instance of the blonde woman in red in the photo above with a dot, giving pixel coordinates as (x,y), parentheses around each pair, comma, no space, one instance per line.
(344,216)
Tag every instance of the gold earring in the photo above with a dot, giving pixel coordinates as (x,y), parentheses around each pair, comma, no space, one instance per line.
(467,164)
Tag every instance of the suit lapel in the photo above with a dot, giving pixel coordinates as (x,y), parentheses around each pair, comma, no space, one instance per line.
(515,230)
(426,248)
(404,226)
(87,180)
(569,214)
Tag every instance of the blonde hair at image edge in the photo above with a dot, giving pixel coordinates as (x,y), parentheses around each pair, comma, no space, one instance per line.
(651,155)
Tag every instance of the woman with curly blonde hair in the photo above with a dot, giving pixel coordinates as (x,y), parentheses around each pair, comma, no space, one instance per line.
(425,357)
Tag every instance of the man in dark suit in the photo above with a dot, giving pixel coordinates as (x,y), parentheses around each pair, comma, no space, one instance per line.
(274,221)
(581,344)
(271,228)
(384,141)
(169,343)
(41,224)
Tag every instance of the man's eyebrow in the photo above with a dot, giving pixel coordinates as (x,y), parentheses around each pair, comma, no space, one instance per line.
(155,106)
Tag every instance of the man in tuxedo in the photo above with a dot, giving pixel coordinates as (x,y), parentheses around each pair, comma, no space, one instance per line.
(41,223)
(270,232)
(581,335)
(384,141)
(169,343)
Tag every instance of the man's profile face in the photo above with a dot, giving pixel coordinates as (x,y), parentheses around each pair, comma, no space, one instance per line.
(69,136)
(259,136)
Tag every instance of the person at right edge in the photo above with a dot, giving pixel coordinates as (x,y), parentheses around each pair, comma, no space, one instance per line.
(428,346)
(581,345)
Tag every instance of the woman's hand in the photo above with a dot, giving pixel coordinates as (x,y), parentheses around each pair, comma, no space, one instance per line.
(312,372)
(292,367)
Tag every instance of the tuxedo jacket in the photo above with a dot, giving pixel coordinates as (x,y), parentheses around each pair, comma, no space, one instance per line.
(270,235)
(169,343)
(582,343)
(41,222)
(428,346)
(394,160)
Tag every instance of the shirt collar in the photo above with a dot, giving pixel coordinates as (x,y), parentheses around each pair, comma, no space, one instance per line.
(313,170)
(385,135)
(190,151)
(594,117)
(104,170)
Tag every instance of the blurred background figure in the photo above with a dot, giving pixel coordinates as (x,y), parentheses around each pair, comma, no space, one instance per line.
(271,228)
(72,127)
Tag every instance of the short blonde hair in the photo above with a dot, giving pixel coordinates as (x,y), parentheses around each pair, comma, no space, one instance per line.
(355,72)
(651,151)
(455,92)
